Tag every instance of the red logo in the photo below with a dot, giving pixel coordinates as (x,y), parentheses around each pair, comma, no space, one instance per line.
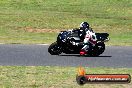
(83,78)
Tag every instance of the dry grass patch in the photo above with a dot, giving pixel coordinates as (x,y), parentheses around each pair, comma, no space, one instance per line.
(36,30)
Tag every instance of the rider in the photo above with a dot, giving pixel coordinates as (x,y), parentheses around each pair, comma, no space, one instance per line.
(89,40)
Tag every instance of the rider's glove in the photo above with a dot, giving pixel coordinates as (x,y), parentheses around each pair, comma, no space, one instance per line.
(70,30)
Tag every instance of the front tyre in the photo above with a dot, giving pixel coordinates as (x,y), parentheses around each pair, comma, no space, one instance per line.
(54,49)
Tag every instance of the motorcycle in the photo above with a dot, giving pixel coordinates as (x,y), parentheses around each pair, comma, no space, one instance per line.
(72,42)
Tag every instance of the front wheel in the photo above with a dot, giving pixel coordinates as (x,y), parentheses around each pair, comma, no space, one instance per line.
(54,49)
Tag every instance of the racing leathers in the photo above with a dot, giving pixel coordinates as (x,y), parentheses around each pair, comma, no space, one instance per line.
(89,41)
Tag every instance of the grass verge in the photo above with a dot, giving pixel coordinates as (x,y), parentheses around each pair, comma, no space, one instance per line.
(112,16)
(53,77)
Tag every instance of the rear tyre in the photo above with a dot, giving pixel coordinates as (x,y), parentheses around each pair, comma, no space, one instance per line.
(101,47)
(98,49)
(54,49)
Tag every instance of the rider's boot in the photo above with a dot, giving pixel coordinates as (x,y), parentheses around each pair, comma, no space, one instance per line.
(83,52)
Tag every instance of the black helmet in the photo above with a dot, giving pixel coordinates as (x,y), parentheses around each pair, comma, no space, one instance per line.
(84,25)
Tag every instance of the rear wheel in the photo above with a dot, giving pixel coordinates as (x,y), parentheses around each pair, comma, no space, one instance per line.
(54,49)
(101,47)
(98,49)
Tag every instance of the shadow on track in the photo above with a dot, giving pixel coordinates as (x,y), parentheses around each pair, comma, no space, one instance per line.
(76,55)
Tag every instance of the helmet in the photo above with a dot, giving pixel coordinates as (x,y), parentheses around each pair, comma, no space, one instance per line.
(84,25)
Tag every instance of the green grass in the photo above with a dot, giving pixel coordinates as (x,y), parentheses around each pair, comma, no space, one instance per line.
(112,16)
(53,77)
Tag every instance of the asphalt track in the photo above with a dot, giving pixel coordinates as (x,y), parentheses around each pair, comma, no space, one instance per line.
(37,55)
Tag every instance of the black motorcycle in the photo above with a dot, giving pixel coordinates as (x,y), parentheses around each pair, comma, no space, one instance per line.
(72,42)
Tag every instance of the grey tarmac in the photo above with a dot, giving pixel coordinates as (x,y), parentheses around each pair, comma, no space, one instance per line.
(37,55)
